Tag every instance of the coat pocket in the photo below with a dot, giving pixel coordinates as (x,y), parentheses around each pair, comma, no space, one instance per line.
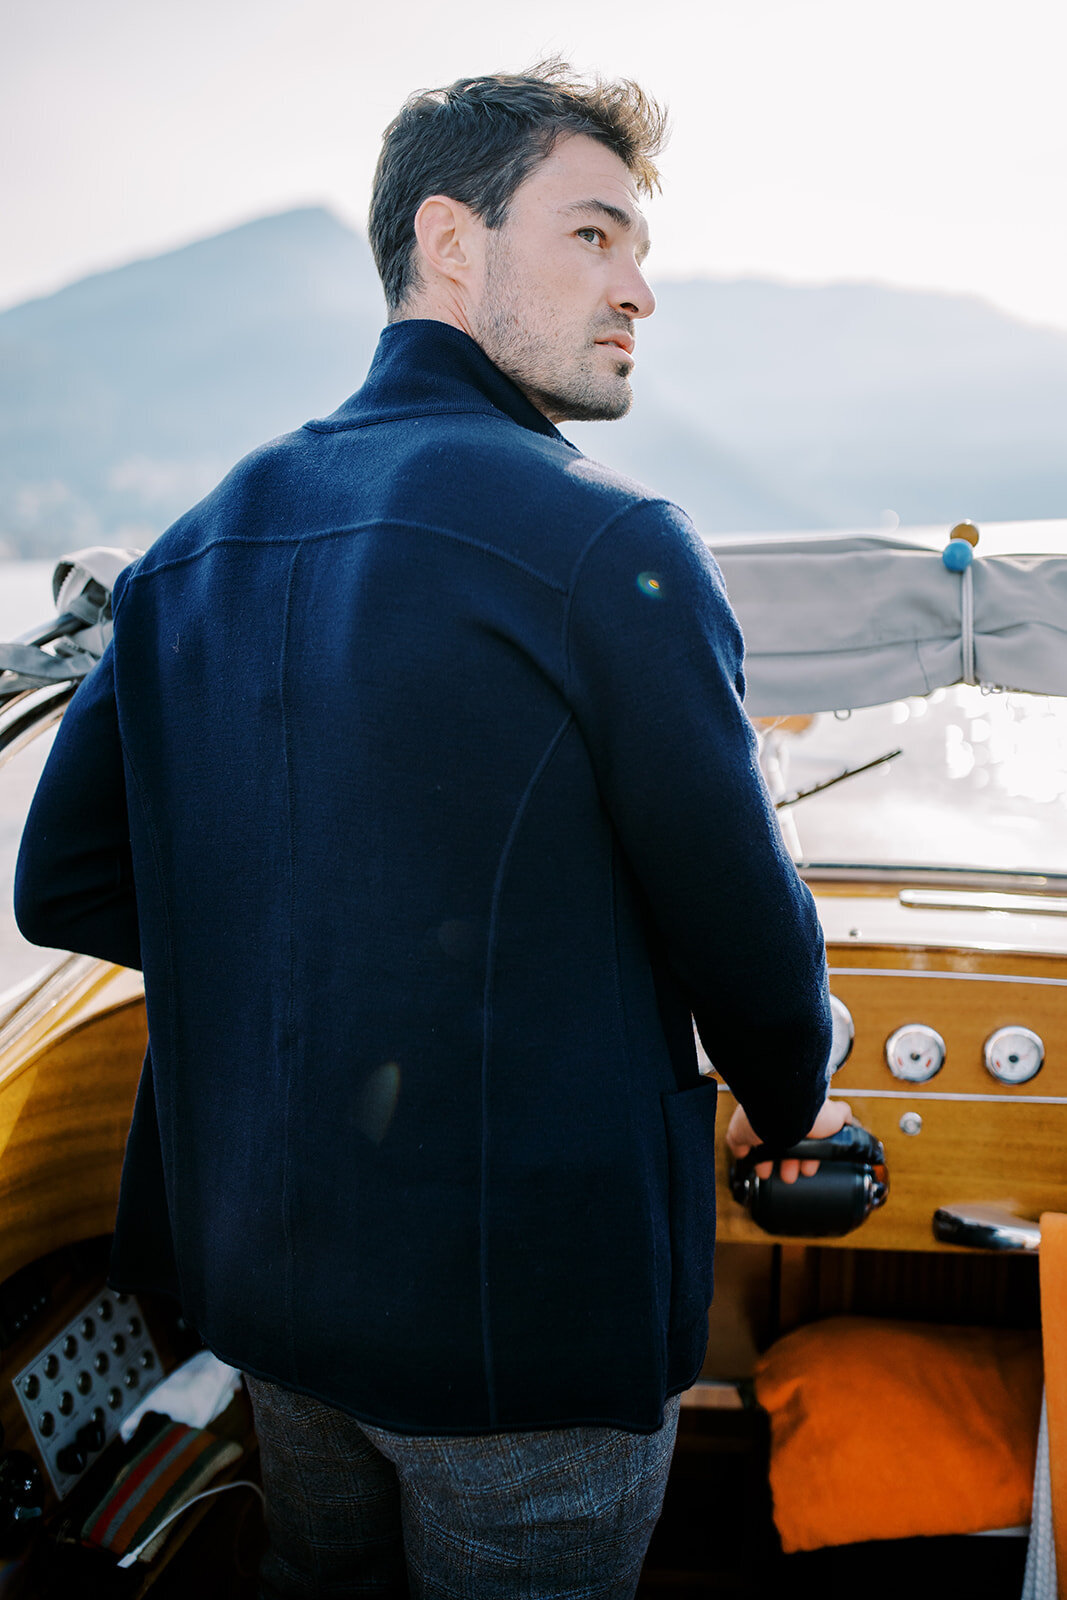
(689,1115)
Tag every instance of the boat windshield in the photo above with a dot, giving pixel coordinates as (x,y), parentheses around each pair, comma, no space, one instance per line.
(979,786)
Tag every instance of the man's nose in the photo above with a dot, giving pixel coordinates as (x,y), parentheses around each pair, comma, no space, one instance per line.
(632,294)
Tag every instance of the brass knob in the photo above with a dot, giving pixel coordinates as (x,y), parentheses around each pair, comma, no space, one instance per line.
(965,530)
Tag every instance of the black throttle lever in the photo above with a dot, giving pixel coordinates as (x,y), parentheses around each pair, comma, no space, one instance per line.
(852,1181)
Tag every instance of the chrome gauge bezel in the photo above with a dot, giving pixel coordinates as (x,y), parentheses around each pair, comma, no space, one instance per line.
(843,1026)
(995,1039)
(935,1041)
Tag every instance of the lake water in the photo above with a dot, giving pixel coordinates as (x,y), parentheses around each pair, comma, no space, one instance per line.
(25,595)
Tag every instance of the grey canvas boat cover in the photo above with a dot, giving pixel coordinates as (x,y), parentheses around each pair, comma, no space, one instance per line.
(833,621)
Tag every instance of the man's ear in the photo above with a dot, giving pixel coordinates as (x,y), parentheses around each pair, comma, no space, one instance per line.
(448,236)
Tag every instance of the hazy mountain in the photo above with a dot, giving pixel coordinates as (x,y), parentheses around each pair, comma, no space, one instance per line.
(860,397)
(759,405)
(124,397)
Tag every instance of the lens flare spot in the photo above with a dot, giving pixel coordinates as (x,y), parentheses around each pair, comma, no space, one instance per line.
(651,584)
(376,1102)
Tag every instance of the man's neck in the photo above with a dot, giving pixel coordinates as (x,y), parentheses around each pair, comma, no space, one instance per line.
(434,308)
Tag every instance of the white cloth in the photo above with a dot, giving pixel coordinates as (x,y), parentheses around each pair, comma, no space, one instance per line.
(194,1393)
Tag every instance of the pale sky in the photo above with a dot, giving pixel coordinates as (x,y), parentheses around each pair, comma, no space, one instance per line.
(921,143)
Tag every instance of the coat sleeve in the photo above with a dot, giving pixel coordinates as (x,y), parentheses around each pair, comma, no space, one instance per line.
(74,878)
(655,677)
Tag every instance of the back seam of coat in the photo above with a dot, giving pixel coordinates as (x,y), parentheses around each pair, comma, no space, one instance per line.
(487,1036)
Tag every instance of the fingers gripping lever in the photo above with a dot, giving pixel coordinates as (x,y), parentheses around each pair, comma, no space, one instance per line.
(852,1181)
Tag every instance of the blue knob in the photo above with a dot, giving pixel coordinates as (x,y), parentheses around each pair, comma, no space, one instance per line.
(957,555)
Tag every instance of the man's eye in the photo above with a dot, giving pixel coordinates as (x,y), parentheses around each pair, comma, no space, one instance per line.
(594,235)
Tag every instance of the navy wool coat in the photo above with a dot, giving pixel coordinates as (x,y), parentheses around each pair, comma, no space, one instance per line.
(417,780)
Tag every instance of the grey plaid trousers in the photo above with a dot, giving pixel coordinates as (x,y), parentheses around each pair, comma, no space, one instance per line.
(354,1510)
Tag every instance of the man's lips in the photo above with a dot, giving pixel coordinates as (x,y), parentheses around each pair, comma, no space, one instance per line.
(622,341)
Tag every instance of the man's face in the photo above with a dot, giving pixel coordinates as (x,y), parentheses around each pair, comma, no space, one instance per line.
(562,285)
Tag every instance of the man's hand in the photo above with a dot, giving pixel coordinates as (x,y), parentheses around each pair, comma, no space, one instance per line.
(741,1137)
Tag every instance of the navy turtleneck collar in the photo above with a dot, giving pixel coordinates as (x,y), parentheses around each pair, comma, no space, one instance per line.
(423,368)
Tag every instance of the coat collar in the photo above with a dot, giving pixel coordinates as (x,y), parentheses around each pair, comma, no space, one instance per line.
(423,368)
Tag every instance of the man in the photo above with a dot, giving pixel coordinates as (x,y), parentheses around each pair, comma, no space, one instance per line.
(418,780)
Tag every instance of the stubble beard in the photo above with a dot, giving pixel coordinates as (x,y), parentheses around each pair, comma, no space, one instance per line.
(508,332)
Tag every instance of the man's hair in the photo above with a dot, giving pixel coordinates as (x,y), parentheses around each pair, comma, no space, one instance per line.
(480,138)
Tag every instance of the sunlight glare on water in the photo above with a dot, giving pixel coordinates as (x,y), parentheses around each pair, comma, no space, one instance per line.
(982,782)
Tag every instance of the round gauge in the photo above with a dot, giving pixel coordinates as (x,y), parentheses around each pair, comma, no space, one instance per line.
(1014,1055)
(915,1052)
(844,1033)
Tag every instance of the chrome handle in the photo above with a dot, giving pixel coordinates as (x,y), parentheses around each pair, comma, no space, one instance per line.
(985,1227)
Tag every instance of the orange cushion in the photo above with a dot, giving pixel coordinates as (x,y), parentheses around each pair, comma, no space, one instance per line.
(885,1430)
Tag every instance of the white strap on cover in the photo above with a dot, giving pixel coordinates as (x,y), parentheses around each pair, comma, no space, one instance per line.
(967,622)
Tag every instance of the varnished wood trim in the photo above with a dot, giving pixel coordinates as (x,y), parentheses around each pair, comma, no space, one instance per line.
(68,995)
(833,878)
(994,1098)
(968,977)
(64,1116)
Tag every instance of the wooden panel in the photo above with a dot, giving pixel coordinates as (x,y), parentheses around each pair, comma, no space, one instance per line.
(64,1115)
(981,1140)
(1008,1153)
(959,1286)
(964,1011)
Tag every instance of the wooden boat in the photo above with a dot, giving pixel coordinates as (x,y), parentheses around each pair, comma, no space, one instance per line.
(962,953)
